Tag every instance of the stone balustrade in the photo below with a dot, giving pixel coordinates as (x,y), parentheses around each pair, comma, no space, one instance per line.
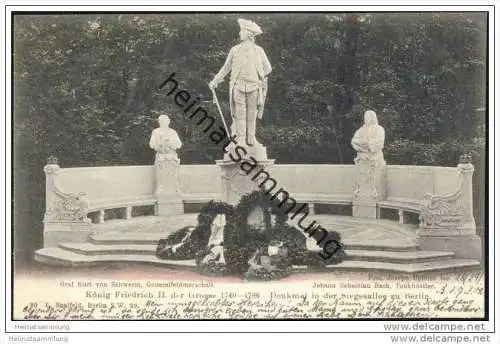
(74,194)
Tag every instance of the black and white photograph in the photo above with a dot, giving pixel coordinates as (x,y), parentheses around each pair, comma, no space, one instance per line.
(206,164)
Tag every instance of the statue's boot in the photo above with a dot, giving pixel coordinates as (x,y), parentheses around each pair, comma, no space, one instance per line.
(240,132)
(251,141)
(250,128)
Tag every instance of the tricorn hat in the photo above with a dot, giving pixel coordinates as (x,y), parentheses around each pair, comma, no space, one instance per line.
(250,26)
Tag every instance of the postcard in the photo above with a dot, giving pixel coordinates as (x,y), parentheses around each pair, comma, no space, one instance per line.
(271,165)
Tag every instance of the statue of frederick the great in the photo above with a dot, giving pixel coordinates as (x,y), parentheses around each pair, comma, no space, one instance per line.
(249,69)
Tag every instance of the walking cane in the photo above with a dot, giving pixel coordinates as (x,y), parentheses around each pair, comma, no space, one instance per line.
(216,102)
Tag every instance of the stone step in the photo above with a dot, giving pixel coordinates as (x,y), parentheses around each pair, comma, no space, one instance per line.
(379,245)
(160,225)
(126,238)
(456,263)
(151,238)
(91,249)
(62,257)
(397,256)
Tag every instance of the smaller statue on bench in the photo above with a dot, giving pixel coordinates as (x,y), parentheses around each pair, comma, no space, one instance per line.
(368,141)
(165,141)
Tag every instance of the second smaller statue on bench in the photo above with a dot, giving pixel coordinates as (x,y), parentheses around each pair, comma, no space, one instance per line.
(368,141)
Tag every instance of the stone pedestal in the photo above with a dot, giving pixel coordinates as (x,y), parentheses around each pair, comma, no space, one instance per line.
(447,222)
(370,187)
(235,181)
(257,151)
(366,209)
(168,194)
(167,207)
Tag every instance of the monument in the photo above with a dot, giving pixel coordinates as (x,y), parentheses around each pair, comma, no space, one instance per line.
(370,186)
(165,141)
(249,68)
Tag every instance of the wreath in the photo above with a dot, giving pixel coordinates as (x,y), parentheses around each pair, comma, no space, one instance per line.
(189,241)
(207,258)
(264,251)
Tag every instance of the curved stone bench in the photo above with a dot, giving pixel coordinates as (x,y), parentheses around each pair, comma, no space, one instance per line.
(126,187)
(402,205)
(127,204)
(324,199)
(73,193)
(201,197)
(120,203)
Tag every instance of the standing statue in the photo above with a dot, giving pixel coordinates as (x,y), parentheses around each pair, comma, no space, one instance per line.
(370,184)
(249,69)
(165,141)
(368,140)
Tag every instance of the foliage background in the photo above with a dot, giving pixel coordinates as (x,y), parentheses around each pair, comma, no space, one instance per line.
(86,90)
